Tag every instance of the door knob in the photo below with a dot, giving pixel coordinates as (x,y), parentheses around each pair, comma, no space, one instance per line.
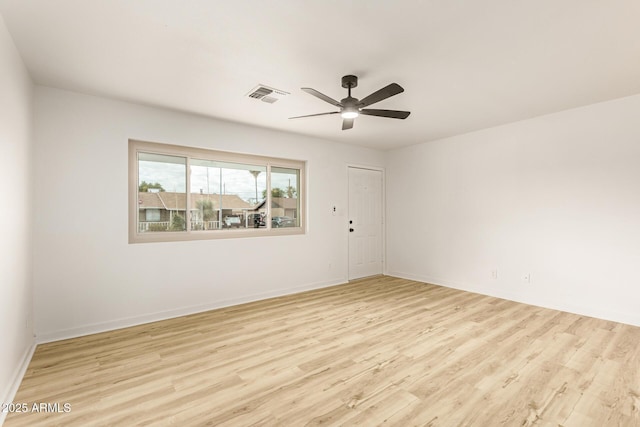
(351,230)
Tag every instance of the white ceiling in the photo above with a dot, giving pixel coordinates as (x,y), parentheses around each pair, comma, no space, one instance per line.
(465,65)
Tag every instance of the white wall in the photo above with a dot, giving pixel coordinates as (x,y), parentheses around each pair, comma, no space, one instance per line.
(88,278)
(16,291)
(556,196)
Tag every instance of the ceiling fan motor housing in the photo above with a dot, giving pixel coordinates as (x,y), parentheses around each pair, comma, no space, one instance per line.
(349,102)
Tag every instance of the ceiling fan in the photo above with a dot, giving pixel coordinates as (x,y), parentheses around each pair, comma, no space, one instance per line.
(350,107)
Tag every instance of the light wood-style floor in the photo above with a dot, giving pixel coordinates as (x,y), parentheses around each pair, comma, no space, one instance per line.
(381,350)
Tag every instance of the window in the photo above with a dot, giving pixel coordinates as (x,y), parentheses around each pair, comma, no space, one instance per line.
(229,194)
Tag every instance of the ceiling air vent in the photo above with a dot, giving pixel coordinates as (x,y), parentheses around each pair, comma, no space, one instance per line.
(266,94)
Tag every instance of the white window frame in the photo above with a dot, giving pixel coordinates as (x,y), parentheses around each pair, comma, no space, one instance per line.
(135,236)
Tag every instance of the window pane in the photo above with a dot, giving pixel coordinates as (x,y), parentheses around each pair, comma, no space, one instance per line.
(285,203)
(226,195)
(162,197)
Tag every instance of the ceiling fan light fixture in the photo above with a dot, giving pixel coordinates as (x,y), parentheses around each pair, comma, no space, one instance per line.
(349,113)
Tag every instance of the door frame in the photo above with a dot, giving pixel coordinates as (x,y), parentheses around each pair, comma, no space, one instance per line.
(383,213)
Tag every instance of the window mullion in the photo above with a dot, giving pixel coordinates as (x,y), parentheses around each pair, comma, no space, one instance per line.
(268,196)
(188,195)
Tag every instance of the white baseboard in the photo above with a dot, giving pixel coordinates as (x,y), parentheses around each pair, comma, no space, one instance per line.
(10,393)
(597,312)
(50,336)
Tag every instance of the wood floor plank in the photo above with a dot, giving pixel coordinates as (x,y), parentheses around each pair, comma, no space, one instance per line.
(375,351)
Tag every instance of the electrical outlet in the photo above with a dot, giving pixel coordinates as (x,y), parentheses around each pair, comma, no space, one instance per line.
(526,278)
(494,274)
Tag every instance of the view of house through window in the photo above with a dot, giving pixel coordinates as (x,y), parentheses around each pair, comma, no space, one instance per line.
(284,197)
(161,192)
(224,194)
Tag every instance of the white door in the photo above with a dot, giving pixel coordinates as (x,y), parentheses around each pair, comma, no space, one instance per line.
(365,223)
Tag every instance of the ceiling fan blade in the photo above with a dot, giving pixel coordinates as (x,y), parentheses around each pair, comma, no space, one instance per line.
(312,115)
(384,93)
(347,124)
(322,96)
(392,114)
